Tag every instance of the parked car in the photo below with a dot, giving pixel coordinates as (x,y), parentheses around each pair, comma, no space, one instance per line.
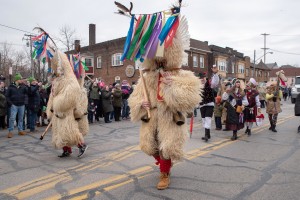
(295,89)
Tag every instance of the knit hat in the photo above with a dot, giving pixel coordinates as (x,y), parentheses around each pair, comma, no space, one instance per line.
(30,79)
(18,77)
(252,82)
(218,99)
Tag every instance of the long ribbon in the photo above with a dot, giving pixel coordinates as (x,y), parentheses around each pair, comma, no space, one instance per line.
(136,37)
(162,36)
(171,34)
(147,35)
(128,39)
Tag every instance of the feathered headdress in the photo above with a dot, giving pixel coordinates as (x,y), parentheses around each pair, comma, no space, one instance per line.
(150,34)
(45,50)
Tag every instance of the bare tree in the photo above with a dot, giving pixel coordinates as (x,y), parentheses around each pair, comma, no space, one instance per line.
(17,60)
(67,37)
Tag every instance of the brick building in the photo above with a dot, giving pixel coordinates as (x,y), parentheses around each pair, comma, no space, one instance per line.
(230,62)
(262,72)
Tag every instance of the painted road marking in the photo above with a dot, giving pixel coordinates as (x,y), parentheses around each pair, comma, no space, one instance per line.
(47,182)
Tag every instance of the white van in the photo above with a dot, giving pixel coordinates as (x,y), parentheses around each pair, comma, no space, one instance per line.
(296,89)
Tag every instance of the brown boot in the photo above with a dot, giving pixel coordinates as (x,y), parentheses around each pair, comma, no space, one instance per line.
(164,181)
(9,135)
(22,133)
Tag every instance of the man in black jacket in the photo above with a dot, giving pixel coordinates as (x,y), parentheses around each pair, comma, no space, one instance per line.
(33,102)
(16,98)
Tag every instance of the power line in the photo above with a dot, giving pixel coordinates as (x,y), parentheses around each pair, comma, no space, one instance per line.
(15,28)
(298,54)
(287,35)
(12,44)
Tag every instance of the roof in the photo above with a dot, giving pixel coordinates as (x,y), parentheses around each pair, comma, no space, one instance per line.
(291,71)
(272,65)
(286,66)
(199,45)
(260,65)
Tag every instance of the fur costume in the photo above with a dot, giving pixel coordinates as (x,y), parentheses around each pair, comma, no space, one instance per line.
(67,106)
(161,133)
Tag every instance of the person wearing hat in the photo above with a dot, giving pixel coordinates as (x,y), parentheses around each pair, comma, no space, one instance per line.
(34,100)
(117,101)
(235,101)
(273,97)
(208,97)
(15,95)
(253,108)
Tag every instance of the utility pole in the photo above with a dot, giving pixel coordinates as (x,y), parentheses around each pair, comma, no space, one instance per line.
(265,48)
(31,59)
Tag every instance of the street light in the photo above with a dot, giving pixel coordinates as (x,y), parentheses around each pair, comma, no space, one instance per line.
(270,52)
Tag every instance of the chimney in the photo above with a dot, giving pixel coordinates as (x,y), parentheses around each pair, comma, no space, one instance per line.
(92,34)
(76,44)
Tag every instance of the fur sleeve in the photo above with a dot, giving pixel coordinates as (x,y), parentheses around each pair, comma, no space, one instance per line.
(184,92)
(135,103)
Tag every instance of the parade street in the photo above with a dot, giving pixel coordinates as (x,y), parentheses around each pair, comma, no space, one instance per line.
(265,165)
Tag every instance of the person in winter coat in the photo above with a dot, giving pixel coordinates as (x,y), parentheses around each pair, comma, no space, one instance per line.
(252,110)
(34,100)
(273,98)
(235,100)
(208,97)
(117,101)
(3,107)
(95,97)
(107,104)
(15,95)
(218,113)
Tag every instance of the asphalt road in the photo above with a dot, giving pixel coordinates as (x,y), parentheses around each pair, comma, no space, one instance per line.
(263,166)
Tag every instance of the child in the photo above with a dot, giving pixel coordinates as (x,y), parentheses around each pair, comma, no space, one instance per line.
(218,113)
(91,111)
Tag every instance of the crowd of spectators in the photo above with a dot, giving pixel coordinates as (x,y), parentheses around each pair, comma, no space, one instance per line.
(108,101)
(23,103)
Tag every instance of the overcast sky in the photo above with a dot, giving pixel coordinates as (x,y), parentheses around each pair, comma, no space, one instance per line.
(232,23)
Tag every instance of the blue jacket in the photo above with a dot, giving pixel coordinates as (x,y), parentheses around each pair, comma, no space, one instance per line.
(16,94)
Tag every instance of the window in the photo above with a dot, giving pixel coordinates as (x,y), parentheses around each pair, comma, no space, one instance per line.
(89,62)
(255,73)
(232,68)
(116,59)
(185,59)
(259,73)
(268,74)
(195,61)
(222,65)
(241,69)
(247,72)
(99,63)
(201,61)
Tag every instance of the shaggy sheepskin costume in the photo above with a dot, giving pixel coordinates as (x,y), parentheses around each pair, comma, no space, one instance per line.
(67,107)
(161,137)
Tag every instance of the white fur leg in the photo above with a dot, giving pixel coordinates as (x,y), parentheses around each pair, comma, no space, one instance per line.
(207,122)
